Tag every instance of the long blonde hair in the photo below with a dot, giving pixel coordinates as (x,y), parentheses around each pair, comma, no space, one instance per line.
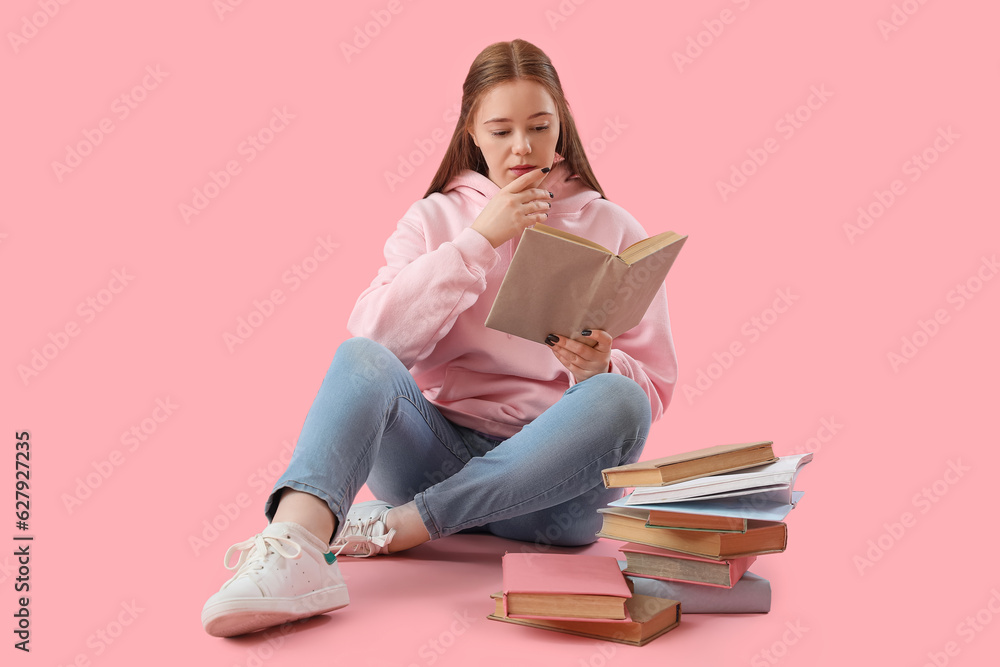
(496,64)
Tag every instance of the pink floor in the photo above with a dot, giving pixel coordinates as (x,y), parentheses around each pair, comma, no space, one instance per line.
(429,606)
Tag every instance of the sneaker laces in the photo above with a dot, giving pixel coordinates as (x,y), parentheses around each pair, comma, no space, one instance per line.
(358,535)
(254,551)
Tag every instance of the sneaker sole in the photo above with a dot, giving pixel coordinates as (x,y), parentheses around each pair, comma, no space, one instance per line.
(244,615)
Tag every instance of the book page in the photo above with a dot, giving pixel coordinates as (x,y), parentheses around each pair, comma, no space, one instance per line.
(754,507)
(647,247)
(552,231)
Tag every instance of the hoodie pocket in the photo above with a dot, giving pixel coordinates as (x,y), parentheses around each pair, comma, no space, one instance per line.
(464,384)
(493,396)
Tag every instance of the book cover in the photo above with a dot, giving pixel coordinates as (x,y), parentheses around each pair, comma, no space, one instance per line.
(564,586)
(682,521)
(750,595)
(650,616)
(689,465)
(561,283)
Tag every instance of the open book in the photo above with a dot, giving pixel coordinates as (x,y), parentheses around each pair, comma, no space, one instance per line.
(560,283)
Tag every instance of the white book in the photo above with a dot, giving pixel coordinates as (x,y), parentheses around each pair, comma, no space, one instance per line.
(774,492)
(744,507)
(776,479)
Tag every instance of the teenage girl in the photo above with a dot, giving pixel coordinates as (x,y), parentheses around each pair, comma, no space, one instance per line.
(453,426)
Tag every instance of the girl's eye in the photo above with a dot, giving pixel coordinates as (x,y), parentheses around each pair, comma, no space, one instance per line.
(540,128)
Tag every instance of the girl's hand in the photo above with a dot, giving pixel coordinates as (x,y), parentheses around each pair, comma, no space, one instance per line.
(521,203)
(583,359)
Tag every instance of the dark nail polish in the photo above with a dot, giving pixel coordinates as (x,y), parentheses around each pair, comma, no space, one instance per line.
(551,195)
(549,203)
(587,332)
(552,339)
(545,170)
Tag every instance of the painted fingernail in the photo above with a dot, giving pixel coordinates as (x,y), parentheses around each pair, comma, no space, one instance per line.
(545,170)
(551,195)
(552,339)
(587,332)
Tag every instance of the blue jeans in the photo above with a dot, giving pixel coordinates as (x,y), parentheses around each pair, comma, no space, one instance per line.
(370,423)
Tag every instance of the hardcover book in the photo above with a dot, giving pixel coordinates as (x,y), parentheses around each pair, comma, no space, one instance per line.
(689,465)
(681,521)
(649,616)
(629,525)
(646,561)
(750,595)
(564,586)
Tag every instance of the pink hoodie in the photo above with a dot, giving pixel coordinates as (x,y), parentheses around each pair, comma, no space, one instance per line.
(429,302)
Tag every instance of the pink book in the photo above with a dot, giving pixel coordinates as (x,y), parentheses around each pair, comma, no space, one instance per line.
(565,587)
(656,563)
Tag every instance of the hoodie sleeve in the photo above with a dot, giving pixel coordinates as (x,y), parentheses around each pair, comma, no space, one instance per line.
(645,353)
(416,297)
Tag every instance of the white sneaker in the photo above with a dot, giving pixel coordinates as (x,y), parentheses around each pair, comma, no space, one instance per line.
(284,573)
(364,533)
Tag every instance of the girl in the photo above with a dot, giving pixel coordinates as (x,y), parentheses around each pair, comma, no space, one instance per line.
(456,427)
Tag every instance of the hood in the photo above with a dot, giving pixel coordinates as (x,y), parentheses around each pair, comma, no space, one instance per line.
(571,194)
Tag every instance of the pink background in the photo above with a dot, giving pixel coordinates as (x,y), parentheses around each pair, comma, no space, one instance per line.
(670,134)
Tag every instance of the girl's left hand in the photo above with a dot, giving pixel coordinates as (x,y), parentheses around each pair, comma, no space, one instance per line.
(583,360)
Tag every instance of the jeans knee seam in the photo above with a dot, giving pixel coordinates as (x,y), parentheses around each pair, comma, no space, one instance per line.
(628,450)
(430,426)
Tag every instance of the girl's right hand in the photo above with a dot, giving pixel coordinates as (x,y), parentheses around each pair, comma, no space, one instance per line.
(518,205)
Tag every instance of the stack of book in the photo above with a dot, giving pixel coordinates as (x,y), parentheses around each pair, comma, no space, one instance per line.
(696,522)
(580,595)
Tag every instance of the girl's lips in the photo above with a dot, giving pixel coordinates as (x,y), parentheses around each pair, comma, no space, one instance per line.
(521,169)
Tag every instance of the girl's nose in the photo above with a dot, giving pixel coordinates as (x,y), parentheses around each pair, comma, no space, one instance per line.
(521,145)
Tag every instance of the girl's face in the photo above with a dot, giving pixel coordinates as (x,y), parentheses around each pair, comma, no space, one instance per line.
(517,124)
